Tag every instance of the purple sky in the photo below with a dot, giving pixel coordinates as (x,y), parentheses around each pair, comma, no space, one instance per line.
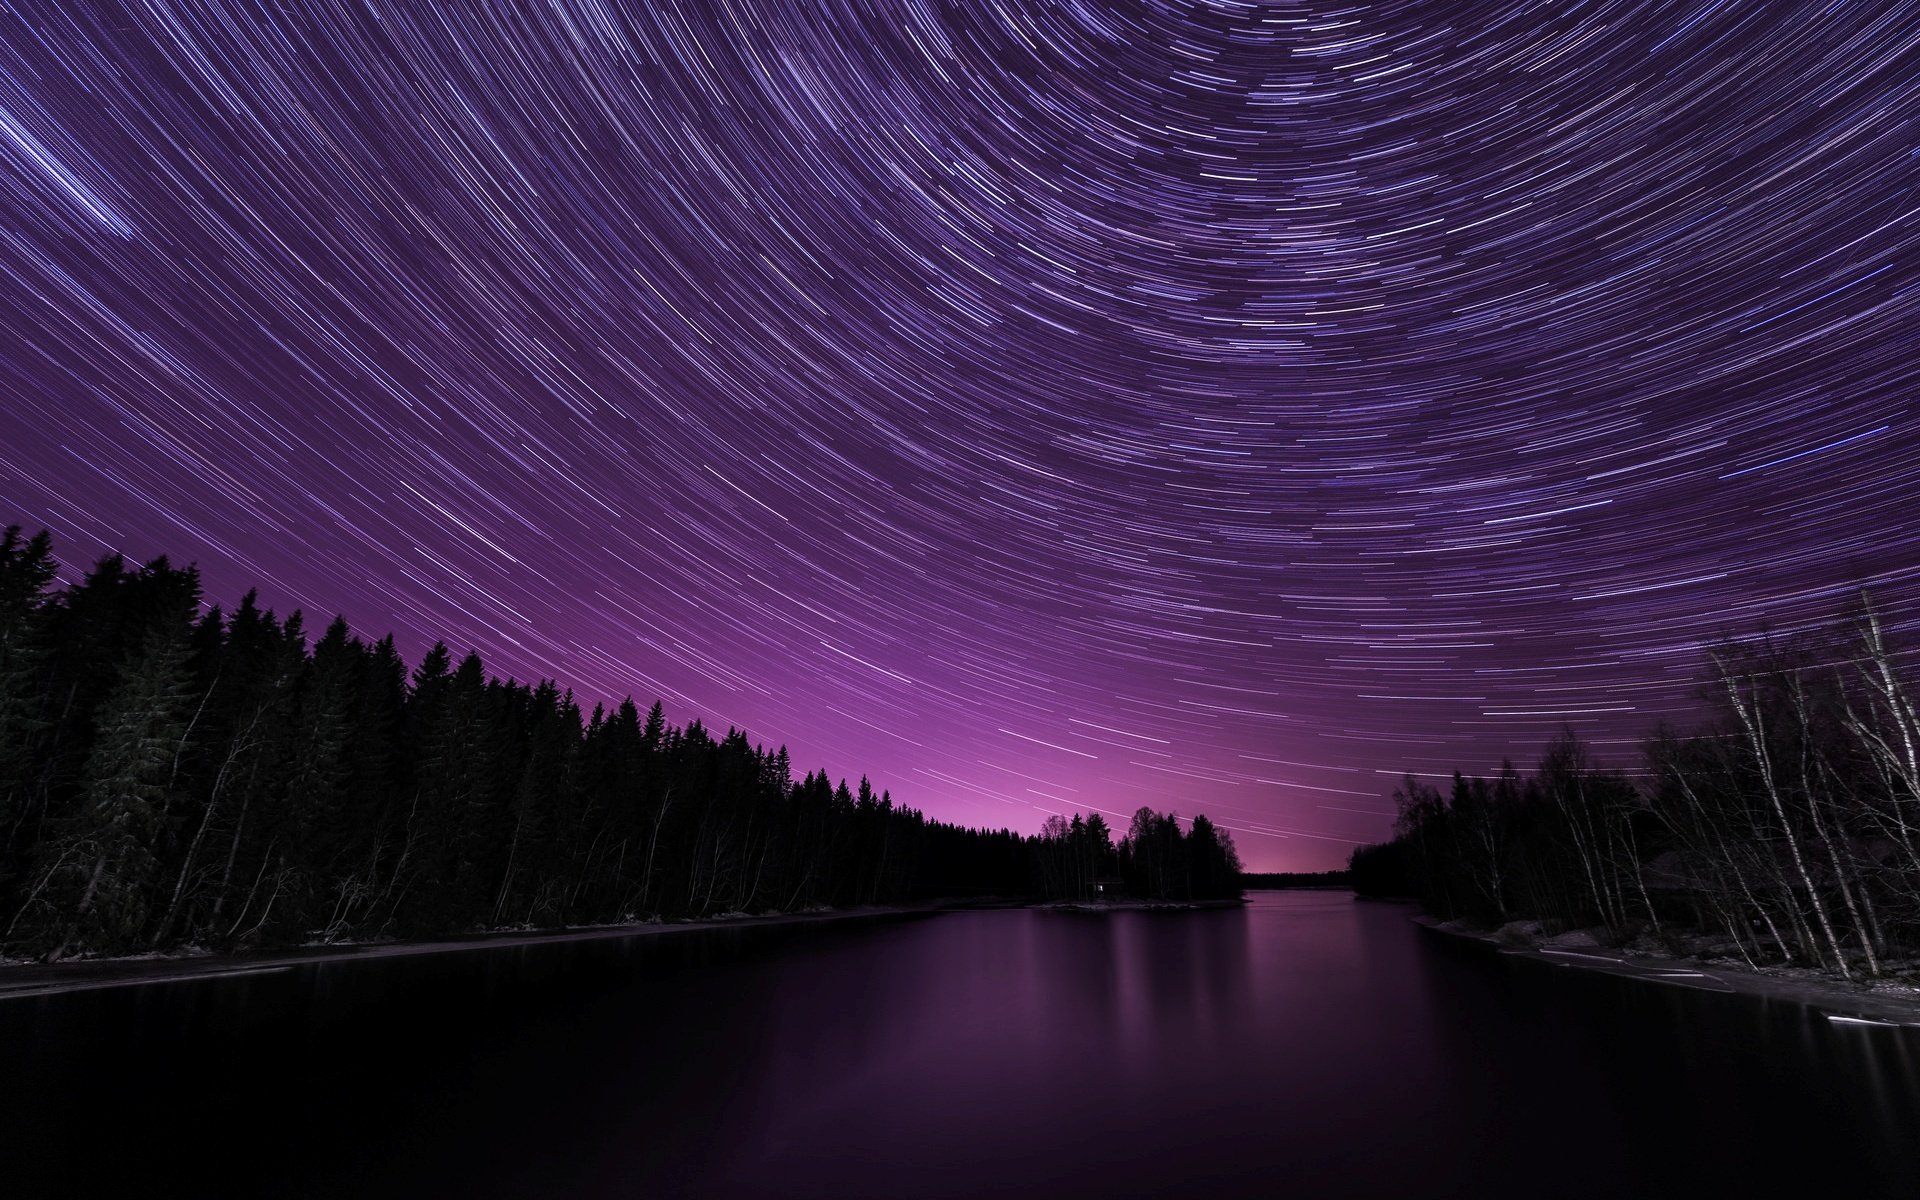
(1218,406)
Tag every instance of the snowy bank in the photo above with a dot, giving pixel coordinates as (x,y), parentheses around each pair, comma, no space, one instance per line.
(1880,1002)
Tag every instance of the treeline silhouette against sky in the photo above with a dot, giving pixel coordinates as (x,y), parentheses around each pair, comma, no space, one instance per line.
(172,774)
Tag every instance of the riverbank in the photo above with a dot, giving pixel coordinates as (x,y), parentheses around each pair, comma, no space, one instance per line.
(1880,1003)
(24,979)
(20,979)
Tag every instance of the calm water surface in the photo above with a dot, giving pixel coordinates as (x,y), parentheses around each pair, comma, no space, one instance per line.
(1308,1045)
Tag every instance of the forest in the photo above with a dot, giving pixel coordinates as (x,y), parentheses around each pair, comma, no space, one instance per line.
(1784,825)
(175,775)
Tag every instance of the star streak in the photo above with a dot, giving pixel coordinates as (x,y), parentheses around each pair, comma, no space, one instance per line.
(1012,401)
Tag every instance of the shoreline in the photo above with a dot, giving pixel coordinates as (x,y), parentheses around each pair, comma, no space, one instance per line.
(21,980)
(26,979)
(1839,1002)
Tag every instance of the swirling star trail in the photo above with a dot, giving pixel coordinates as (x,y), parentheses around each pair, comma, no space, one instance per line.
(1221,406)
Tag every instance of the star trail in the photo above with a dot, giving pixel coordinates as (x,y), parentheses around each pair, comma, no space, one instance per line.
(1220,406)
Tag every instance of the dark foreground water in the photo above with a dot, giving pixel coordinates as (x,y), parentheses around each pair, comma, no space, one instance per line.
(1309,1045)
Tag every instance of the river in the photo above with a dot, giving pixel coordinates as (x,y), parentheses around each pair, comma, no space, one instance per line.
(1308,1045)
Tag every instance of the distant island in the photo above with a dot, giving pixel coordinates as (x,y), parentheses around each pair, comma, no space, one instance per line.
(173,776)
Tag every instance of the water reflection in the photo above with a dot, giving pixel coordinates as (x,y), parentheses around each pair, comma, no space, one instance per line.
(1306,1046)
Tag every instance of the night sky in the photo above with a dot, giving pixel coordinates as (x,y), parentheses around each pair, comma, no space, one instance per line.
(1219,406)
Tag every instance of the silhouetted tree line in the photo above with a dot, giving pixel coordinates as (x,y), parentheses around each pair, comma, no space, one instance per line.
(1789,823)
(171,775)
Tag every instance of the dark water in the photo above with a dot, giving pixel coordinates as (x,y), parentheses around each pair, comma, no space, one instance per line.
(1307,1046)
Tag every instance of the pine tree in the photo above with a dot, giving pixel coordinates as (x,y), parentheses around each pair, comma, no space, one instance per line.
(312,821)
